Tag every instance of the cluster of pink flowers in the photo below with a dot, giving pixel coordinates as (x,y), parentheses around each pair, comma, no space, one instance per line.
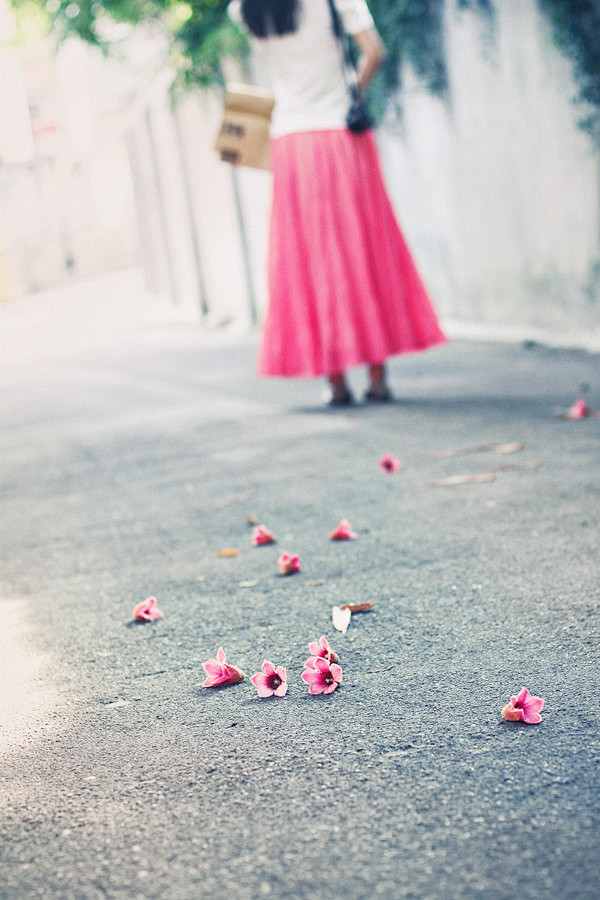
(322,676)
(288,563)
(321,672)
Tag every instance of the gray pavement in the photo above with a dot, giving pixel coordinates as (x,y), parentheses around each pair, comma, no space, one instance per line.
(130,457)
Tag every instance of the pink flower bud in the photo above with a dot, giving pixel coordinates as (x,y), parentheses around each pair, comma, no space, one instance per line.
(389,464)
(524,708)
(147,611)
(288,564)
(262,535)
(220,672)
(343,532)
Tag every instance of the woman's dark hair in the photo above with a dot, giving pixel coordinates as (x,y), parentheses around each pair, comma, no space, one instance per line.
(265,17)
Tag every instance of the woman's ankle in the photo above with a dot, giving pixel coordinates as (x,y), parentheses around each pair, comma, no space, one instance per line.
(339,388)
(377,377)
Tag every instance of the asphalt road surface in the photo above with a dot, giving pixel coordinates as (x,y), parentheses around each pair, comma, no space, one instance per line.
(130,457)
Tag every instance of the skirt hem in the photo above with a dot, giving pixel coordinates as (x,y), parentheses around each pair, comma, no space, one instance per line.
(350,364)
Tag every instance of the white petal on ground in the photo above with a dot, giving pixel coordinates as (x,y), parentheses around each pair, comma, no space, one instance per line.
(341,618)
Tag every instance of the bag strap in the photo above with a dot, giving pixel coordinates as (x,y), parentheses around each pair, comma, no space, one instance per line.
(342,36)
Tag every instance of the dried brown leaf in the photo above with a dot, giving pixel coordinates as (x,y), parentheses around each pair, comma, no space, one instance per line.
(510,467)
(480,448)
(228,551)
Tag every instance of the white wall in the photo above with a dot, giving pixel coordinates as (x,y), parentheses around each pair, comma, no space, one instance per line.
(499,192)
(66,203)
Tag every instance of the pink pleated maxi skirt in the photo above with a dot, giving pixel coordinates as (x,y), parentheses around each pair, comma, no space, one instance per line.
(343,287)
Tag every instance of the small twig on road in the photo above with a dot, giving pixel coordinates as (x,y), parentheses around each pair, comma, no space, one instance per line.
(149,674)
(235,498)
(451,480)
(509,467)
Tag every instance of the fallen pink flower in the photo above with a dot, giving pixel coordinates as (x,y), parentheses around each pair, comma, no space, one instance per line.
(271,682)
(524,708)
(579,410)
(320,649)
(389,464)
(262,535)
(323,677)
(147,611)
(219,671)
(288,564)
(343,532)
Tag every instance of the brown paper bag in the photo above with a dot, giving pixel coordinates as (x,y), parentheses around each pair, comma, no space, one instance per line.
(243,137)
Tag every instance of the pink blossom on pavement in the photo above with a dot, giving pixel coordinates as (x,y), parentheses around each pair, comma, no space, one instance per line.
(579,410)
(288,564)
(322,677)
(271,682)
(343,532)
(524,708)
(389,464)
(220,672)
(262,535)
(147,611)
(320,649)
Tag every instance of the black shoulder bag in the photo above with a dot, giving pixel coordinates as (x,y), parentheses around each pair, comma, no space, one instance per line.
(358,118)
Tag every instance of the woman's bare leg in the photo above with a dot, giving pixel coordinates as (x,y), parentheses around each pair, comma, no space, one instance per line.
(339,388)
(378,389)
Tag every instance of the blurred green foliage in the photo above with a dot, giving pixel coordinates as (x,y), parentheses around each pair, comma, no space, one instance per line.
(413,31)
(576,27)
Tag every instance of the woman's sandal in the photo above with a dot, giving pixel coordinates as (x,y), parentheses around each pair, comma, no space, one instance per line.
(345,399)
(378,395)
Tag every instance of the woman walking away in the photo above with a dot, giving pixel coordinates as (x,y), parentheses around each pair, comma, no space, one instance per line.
(343,288)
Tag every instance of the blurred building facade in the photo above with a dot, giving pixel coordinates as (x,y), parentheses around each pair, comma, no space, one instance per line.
(66,200)
(497,189)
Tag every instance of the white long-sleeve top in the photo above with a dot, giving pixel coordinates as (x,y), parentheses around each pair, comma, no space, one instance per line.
(306,66)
